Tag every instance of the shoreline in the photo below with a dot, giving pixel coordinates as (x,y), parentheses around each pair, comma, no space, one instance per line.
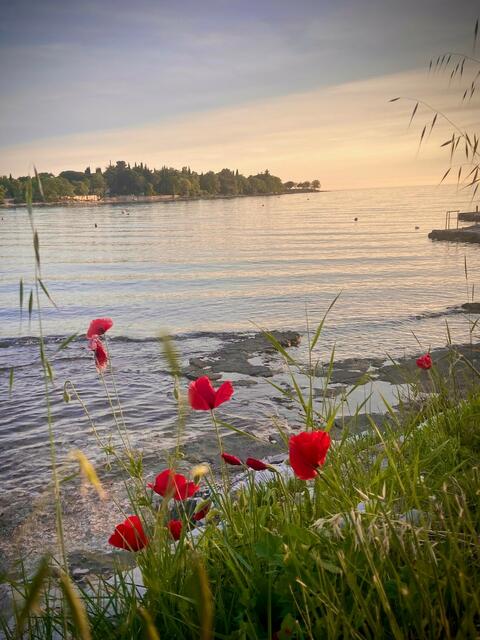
(124,200)
(18,511)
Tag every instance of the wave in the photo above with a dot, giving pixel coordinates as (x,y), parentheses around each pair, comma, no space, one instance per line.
(5,343)
(449,311)
(224,336)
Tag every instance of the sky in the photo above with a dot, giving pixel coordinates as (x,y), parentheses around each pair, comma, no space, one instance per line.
(301,88)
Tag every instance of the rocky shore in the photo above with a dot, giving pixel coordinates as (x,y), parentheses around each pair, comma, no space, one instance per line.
(246,359)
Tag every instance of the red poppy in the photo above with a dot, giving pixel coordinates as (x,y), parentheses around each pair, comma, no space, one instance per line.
(255,464)
(101,356)
(233,460)
(99,326)
(175,528)
(203,397)
(424,362)
(200,515)
(307,452)
(129,535)
(173,485)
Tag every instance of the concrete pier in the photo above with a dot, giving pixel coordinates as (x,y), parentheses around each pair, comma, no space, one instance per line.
(463,234)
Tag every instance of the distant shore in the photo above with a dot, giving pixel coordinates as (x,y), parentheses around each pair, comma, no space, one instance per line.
(123,200)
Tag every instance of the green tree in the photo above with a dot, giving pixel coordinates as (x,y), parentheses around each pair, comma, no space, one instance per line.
(316,184)
(54,189)
(209,183)
(98,184)
(228,184)
(81,188)
(182,186)
(122,180)
(72,176)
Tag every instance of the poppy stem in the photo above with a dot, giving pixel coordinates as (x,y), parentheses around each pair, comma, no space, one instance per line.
(217,431)
(125,442)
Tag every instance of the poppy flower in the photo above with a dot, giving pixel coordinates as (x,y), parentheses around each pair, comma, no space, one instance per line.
(307,452)
(201,513)
(99,326)
(175,528)
(203,397)
(233,460)
(255,464)
(129,535)
(101,357)
(173,485)
(424,362)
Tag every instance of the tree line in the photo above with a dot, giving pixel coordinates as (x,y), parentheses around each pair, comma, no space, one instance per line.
(121,179)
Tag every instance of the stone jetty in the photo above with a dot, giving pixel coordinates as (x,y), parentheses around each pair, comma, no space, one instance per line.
(462,234)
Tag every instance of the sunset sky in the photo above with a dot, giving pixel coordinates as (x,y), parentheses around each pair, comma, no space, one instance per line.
(299,87)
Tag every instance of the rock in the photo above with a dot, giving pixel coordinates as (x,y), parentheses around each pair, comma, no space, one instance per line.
(235,354)
(471,307)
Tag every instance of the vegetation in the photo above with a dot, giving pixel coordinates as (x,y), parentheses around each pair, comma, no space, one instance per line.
(123,180)
(463,143)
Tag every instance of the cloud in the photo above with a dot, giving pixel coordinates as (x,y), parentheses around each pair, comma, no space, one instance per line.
(347,136)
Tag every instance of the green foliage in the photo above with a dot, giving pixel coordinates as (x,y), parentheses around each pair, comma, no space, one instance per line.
(123,180)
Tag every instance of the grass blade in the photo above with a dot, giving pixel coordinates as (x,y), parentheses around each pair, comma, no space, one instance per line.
(33,594)
(76,606)
(45,291)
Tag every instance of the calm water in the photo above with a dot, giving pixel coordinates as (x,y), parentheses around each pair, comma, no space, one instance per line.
(200,269)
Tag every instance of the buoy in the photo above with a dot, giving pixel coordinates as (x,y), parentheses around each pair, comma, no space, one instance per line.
(417,228)
(95,225)
(355,219)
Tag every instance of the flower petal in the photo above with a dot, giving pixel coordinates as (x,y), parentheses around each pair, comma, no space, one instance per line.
(307,452)
(255,464)
(101,357)
(201,394)
(233,460)
(99,326)
(424,362)
(129,535)
(175,527)
(223,393)
(185,490)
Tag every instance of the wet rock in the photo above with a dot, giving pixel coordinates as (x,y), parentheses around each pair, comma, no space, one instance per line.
(330,392)
(245,383)
(235,354)
(84,564)
(471,307)
(350,371)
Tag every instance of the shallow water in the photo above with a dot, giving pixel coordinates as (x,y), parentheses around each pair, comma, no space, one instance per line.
(204,271)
